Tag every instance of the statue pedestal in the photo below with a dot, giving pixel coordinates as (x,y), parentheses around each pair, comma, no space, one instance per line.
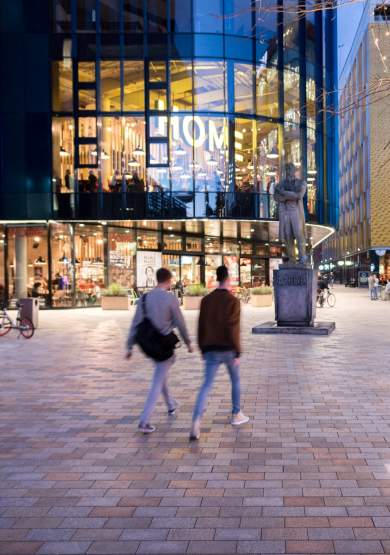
(295,289)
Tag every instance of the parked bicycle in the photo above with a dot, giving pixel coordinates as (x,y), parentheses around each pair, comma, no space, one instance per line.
(22,324)
(325,296)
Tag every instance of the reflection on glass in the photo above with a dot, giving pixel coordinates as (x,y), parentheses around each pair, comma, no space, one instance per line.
(62,16)
(190,270)
(86,72)
(89,263)
(267,31)
(181,85)
(62,154)
(158,153)
(180,16)
(238,17)
(133,16)
(311,167)
(267,91)
(208,16)
(243,88)
(62,265)
(244,149)
(210,86)
(87,99)
(110,86)
(134,89)
(86,15)
(157,16)
(292,146)
(109,15)
(210,141)
(62,88)
(121,257)
(158,179)
(291,96)
(28,275)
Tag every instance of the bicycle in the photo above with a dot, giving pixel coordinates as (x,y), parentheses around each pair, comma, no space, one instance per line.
(326,296)
(23,325)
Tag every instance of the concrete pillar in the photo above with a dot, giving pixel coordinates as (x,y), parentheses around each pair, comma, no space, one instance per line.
(21,276)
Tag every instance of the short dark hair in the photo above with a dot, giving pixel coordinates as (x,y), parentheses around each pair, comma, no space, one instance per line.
(222,273)
(163,275)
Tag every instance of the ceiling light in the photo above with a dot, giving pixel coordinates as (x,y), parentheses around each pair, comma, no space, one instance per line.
(273,153)
(139,151)
(179,151)
(133,163)
(63,152)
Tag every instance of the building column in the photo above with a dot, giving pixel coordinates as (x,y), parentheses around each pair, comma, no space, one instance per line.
(21,276)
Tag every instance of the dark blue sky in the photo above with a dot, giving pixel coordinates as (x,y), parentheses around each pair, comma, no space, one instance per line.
(348,21)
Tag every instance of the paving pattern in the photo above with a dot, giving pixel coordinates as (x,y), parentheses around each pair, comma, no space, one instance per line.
(310,473)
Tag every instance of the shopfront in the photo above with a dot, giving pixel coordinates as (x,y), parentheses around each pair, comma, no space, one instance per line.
(69,264)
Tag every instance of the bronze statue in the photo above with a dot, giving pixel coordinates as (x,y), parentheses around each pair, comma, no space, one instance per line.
(289,195)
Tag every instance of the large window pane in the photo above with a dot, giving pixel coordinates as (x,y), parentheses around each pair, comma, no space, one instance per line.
(87,99)
(181,85)
(243,88)
(210,141)
(62,16)
(89,261)
(110,86)
(86,72)
(121,257)
(133,15)
(182,139)
(208,16)
(244,150)
(134,86)
(238,17)
(109,15)
(180,16)
(267,91)
(63,157)
(268,166)
(292,146)
(157,16)
(62,88)
(291,96)
(62,265)
(210,86)
(28,271)
(190,270)
(266,31)
(86,15)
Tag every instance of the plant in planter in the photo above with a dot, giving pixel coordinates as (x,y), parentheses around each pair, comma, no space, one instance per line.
(193,294)
(261,296)
(115,297)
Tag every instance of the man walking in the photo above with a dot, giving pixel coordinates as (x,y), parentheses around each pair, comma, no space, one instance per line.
(372,287)
(219,341)
(163,311)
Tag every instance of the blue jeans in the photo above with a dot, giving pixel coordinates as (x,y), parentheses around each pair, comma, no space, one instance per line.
(374,293)
(213,359)
(159,385)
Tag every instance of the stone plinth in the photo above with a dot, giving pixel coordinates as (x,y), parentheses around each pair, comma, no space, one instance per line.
(295,290)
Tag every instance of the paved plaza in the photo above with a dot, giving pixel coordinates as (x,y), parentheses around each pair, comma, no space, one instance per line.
(310,473)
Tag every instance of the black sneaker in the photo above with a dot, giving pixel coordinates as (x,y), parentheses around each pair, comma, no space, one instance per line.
(146,428)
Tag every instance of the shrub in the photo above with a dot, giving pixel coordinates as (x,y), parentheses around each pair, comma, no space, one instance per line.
(114,290)
(264,290)
(195,290)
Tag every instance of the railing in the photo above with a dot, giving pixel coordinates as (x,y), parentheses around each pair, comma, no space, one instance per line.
(125,206)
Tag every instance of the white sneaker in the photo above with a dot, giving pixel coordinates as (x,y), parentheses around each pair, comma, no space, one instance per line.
(239,419)
(146,428)
(195,430)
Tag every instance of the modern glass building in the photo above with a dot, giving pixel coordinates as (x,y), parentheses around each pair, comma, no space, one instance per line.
(136,133)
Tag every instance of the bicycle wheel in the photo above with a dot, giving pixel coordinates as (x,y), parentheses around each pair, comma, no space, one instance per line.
(331,300)
(26,328)
(5,325)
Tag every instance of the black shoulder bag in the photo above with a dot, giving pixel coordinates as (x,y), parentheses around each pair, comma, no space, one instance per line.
(154,344)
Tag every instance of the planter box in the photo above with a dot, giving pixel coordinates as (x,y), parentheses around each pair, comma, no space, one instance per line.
(115,303)
(191,303)
(261,300)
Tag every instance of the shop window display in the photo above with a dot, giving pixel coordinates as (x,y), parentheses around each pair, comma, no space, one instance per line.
(190,270)
(28,263)
(172,242)
(172,263)
(62,265)
(121,257)
(148,240)
(267,91)
(258,272)
(245,272)
(89,264)
(62,154)
(211,264)
(193,244)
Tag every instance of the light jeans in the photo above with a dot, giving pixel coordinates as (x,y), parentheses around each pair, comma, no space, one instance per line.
(159,385)
(213,360)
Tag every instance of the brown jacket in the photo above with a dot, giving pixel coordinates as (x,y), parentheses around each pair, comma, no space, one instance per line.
(219,322)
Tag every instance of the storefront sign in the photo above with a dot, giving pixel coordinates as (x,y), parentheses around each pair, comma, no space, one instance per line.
(363,278)
(195,131)
(148,262)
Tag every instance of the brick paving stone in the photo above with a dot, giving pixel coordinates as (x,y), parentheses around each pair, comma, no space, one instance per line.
(308,474)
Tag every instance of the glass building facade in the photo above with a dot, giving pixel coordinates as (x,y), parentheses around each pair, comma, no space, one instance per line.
(156,114)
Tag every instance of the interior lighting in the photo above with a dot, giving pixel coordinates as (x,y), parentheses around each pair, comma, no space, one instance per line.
(133,163)
(63,152)
(179,151)
(212,162)
(273,153)
(139,151)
